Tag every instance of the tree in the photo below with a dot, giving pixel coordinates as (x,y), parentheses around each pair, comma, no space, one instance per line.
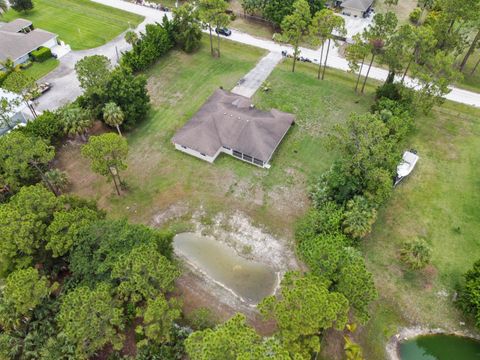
(378,36)
(188,31)
(90,319)
(21,5)
(356,53)
(129,92)
(93,72)
(213,13)
(143,273)
(7,107)
(324,24)
(276,10)
(113,115)
(57,179)
(3,7)
(233,339)
(65,227)
(24,290)
(108,153)
(131,37)
(469,293)
(99,246)
(416,254)
(23,222)
(296,27)
(76,121)
(159,317)
(360,215)
(25,86)
(305,308)
(21,156)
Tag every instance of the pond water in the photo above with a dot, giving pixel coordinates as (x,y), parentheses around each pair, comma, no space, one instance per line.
(250,280)
(440,347)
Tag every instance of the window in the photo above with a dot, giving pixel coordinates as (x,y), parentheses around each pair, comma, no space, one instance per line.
(247,158)
(184,147)
(258,162)
(226,148)
(237,154)
(203,154)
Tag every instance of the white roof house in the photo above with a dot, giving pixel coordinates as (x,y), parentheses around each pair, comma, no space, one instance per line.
(16,115)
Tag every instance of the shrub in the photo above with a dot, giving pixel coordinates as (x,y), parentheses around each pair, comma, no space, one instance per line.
(202,318)
(47,126)
(323,221)
(414,16)
(3,76)
(416,254)
(360,215)
(469,293)
(41,54)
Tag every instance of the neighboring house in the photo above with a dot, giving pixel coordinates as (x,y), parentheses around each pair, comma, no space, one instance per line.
(17,115)
(356,8)
(230,124)
(19,38)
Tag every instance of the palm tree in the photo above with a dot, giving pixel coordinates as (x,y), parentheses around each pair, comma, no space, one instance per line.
(76,121)
(131,37)
(58,180)
(3,6)
(9,66)
(113,116)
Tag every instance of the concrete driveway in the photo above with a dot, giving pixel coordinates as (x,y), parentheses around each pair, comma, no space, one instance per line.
(66,87)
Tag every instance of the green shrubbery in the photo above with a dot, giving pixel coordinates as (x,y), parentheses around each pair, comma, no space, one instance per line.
(48,126)
(469,293)
(41,54)
(152,45)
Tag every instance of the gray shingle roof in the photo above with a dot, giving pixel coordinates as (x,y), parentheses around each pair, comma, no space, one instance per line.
(228,120)
(15,25)
(14,45)
(361,5)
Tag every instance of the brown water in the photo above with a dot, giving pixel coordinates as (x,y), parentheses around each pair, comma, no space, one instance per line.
(250,280)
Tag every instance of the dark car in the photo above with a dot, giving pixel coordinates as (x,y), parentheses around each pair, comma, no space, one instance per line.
(223,31)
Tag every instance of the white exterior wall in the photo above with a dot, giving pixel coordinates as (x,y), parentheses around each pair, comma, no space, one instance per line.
(51,43)
(195,153)
(211,159)
(22,59)
(352,12)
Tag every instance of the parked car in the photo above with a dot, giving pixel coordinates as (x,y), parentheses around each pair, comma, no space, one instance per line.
(223,31)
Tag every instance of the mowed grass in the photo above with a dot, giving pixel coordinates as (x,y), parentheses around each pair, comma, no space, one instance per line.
(439,203)
(40,69)
(82,24)
(159,176)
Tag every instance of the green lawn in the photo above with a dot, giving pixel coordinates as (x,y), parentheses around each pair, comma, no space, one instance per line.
(439,203)
(39,70)
(179,84)
(471,81)
(82,24)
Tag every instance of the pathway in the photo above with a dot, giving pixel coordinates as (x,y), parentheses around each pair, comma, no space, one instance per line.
(334,60)
(249,85)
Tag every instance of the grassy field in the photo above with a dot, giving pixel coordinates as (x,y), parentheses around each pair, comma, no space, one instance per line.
(440,204)
(39,70)
(469,81)
(159,176)
(80,23)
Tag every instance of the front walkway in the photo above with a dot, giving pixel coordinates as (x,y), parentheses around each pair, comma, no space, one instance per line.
(248,85)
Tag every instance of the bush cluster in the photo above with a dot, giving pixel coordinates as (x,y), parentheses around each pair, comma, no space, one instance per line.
(152,45)
(41,54)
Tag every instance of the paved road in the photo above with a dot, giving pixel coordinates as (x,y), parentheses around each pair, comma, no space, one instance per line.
(251,82)
(334,60)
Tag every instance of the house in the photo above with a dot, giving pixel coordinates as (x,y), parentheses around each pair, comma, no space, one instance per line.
(356,8)
(19,38)
(16,115)
(229,123)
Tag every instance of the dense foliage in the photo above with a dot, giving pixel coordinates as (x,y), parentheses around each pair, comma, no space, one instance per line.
(469,294)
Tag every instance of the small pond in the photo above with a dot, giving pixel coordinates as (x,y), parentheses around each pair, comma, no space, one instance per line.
(440,347)
(250,280)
